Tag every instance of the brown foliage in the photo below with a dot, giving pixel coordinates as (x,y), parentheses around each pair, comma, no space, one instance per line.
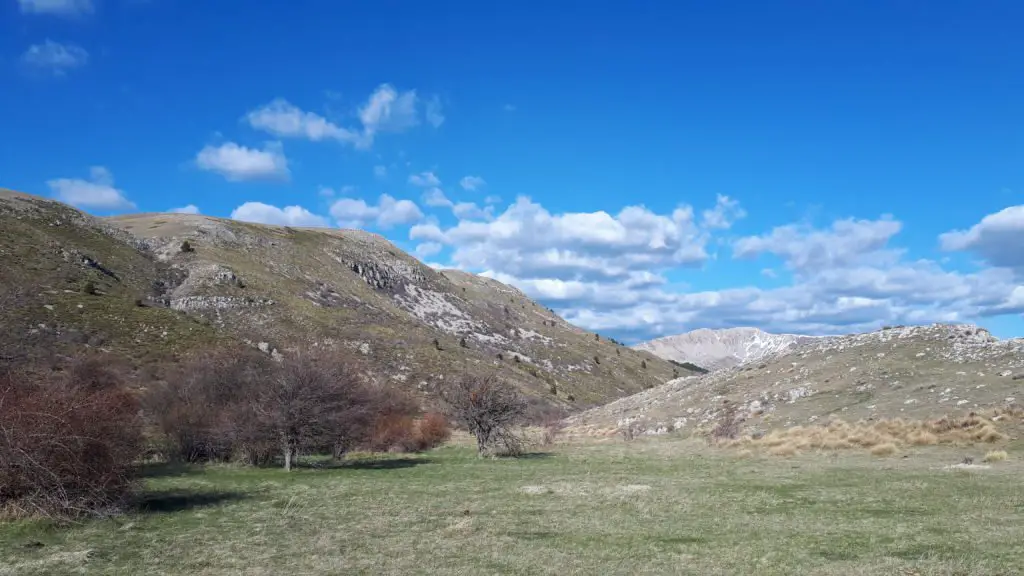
(489,408)
(68,442)
(729,423)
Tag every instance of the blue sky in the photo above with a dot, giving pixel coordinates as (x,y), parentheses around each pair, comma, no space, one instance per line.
(644,169)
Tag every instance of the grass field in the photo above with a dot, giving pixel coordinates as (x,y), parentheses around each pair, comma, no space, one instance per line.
(658,506)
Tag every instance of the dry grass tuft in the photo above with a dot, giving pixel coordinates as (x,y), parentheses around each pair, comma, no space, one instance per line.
(783,450)
(995,456)
(887,449)
(881,438)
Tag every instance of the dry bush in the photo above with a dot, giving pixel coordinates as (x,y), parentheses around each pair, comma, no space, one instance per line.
(202,409)
(68,442)
(237,403)
(490,409)
(551,430)
(432,430)
(841,435)
(995,456)
(729,423)
(393,433)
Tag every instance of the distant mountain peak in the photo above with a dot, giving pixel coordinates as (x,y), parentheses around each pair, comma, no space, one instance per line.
(723,348)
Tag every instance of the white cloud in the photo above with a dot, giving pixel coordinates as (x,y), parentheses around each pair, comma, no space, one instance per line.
(238,163)
(189,209)
(389,212)
(261,213)
(724,214)
(284,119)
(802,248)
(56,7)
(55,57)
(527,240)
(435,197)
(470,211)
(608,272)
(472,183)
(380,171)
(998,238)
(424,179)
(98,192)
(386,110)
(492,200)
(434,113)
(428,249)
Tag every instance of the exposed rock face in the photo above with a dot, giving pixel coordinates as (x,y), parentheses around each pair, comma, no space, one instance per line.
(717,349)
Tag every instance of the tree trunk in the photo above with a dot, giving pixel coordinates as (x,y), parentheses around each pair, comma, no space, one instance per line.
(287,456)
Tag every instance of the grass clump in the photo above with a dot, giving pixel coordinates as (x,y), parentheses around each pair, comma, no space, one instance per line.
(995,456)
(880,438)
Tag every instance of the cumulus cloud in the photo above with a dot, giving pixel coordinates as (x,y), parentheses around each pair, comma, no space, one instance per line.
(424,179)
(998,238)
(428,249)
(527,240)
(238,163)
(435,197)
(492,200)
(724,214)
(434,112)
(472,183)
(380,171)
(610,272)
(804,248)
(386,110)
(55,57)
(470,211)
(189,209)
(98,192)
(56,7)
(284,119)
(388,212)
(261,213)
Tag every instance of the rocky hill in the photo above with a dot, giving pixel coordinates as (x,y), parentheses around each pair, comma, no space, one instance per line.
(717,349)
(909,372)
(154,286)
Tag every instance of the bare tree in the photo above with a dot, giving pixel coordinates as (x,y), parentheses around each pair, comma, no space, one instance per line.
(489,408)
(312,403)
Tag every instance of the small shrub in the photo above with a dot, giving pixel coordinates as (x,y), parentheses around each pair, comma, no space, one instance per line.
(597,359)
(186,247)
(995,456)
(729,423)
(462,342)
(432,431)
(551,430)
(500,356)
(643,364)
(437,344)
(89,287)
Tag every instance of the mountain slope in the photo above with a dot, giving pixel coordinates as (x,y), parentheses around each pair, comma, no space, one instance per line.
(716,349)
(131,284)
(909,372)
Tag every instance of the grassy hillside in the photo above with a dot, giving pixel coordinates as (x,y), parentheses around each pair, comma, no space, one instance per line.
(155,285)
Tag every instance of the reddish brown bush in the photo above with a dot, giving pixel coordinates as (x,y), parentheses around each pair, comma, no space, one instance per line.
(432,431)
(67,442)
(394,433)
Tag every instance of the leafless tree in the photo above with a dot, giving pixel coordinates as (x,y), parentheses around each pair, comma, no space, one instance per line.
(490,409)
(311,403)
